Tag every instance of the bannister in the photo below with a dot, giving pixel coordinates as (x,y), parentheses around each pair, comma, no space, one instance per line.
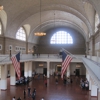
(4,58)
(93,69)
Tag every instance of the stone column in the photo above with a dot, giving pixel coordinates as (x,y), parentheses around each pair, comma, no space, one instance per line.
(3,84)
(51,69)
(30,69)
(12,75)
(48,69)
(26,69)
(97,56)
(90,85)
(68,71)
(26,47)
(93,90)
(93,45)
(98,94)
(87,48)
(89,79)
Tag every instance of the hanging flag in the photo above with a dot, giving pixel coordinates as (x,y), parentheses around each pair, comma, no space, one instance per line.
(66,59)
(16,63)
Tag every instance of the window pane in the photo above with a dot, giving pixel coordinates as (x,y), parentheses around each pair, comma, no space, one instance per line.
(21,35)
(61,37)
(96,21)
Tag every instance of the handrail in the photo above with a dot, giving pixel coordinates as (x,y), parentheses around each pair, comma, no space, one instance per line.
(93,69)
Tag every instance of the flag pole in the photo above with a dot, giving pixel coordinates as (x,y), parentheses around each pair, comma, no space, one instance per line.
(69,52)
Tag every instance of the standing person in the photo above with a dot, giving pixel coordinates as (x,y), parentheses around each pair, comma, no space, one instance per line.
(19,98)
(13,98)
(24,80)
(34,94)
(56,79)
(38,76)
(45,82)
(44,76)
(24,92)
(34,91)
(71,81)
(64,80)
(29,90)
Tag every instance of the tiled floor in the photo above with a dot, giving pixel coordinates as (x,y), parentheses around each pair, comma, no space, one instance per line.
(53,91)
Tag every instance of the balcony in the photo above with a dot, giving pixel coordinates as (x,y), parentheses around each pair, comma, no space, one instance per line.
(5,59)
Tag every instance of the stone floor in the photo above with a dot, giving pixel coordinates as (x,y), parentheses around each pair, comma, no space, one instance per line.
(53,91)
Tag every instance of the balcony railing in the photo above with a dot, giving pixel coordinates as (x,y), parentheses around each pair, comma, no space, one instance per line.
(30,57)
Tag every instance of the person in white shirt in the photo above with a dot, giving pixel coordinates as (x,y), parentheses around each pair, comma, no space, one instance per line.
(13,98)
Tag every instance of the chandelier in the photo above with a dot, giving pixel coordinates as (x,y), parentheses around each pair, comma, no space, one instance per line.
(1,8)
(39,33)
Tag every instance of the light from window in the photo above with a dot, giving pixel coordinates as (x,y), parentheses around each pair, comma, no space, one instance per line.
(96,21)
(21,35)
(61,37)
(0,28)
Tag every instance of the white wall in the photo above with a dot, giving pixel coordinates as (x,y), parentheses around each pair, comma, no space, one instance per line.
(39,70)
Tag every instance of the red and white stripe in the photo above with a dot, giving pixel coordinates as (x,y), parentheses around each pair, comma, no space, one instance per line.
(65,64)
(16,65)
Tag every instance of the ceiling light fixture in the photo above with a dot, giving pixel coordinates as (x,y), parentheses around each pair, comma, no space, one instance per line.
(40,33)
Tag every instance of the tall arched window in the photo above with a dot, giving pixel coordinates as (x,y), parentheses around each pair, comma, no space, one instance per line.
(96,21)
(61,37)
(21,35)
(0,28)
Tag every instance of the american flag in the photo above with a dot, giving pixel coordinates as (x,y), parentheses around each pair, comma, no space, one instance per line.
(16,63)
(66,59)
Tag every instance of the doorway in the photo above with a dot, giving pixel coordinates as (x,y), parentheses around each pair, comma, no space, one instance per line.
(77,72)
(45,71)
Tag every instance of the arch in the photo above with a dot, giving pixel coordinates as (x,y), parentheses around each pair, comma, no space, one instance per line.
(27,29)
(63,8)
(50,22)
(3,17)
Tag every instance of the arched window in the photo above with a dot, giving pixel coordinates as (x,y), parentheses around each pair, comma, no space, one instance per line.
(61,37)
(21,35)
(96,21)
(0,28)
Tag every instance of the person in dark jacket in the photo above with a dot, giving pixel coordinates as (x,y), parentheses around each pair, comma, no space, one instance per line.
(33,94)
(24,92)
(19,98)
(29,90)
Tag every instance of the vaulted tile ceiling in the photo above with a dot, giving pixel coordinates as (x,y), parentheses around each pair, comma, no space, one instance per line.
(77,14)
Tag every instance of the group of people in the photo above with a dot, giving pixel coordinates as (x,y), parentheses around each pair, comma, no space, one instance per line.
(84,84)
(30,94)
(33,94)
(15,98)
(67,80)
